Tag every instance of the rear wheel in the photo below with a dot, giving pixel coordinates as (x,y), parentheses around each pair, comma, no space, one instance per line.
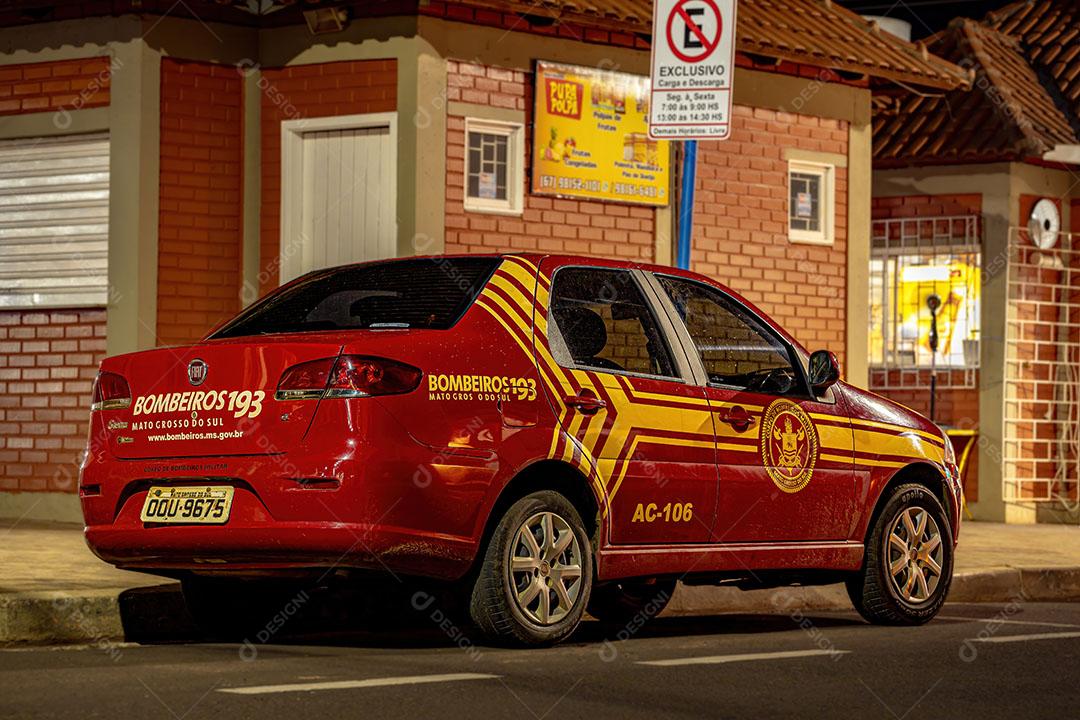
(622,602)
(908,564)
(536,574)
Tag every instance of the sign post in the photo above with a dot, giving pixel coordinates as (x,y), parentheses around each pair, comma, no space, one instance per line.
(693,63)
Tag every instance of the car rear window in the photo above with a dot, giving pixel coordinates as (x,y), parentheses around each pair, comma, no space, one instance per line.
(429,293)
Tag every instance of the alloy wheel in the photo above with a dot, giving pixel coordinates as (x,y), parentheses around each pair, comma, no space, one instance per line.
(914,555)
(545,568)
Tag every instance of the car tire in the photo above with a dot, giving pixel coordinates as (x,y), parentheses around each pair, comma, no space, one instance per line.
(516,597)
(898,583)
(625,602)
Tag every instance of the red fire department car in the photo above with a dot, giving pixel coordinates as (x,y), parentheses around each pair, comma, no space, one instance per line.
(554,434)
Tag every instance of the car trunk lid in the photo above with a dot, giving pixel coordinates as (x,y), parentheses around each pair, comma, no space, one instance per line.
(214,398)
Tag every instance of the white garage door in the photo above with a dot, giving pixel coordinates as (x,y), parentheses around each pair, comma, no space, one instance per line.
(54,221)
(346,191)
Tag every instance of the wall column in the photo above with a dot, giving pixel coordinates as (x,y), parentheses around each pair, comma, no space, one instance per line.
(859,181)
(421,187)
(998,216)
(249,289)
(134,125)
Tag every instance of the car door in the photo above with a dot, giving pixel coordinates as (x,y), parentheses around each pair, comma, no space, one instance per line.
(623,392)
(785,457)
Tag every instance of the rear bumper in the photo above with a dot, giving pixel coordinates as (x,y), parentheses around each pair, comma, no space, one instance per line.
(280,546)
(384,502)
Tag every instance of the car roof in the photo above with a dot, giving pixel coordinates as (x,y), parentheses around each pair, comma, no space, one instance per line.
(588,261)
(585,260)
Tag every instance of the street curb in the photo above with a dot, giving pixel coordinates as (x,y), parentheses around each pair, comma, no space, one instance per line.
(104,617)
(60,617)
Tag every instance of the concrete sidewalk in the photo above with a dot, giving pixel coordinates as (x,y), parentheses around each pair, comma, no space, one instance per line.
(53,589)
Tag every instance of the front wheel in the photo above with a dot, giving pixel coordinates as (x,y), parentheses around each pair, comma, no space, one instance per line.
(536,574)
(908,563)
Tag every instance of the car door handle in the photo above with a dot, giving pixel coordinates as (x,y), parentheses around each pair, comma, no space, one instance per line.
(737,417)
(586,403)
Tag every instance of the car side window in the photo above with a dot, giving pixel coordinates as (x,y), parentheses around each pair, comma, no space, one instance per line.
(603,322)
(735,348)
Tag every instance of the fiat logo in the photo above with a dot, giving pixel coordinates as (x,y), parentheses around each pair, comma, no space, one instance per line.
(196,372)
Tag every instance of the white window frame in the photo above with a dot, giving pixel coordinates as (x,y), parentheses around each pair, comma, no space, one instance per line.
(514,204)
(827,234)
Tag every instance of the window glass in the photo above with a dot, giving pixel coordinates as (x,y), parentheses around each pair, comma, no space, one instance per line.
(487,165)
(912,259)
(805,202)
(420,293)
(811,202)
(603,322)
(735,348)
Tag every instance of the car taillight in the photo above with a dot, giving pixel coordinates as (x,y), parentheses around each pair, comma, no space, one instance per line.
(360,376)
(305,381)
(111,392)
(347,376)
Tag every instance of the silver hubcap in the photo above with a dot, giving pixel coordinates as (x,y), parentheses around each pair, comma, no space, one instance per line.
(914,554)
(545,568)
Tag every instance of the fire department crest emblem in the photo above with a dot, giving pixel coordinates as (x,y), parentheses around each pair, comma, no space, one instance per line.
(789,445)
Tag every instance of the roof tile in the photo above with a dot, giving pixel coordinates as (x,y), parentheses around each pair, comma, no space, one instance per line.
(1027,69)
(1049,32)
(812,32)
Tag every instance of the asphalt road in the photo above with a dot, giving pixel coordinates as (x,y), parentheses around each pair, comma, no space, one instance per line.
(976,661)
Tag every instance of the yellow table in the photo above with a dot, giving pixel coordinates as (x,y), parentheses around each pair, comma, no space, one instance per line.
(969,438)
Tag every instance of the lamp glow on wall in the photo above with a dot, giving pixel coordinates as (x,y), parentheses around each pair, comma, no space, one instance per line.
(926,273)
(955,280)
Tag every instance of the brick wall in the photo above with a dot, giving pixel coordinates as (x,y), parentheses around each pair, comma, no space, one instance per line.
(909,206)
(584,227)
(39,87)
(740,222)
(1036,334)
(1072,489)
(199,227)
(741,227)
(957,407)
(48,360)
(307,91)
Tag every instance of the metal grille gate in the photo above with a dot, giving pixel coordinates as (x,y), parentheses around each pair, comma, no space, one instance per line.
(1041,449)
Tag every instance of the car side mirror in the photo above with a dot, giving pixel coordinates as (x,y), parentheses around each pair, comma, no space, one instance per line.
(824,371)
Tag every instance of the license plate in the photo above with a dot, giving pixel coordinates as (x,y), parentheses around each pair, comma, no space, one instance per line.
(206,505)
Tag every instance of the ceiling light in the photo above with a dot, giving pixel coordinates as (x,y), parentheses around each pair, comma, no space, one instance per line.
(326,20)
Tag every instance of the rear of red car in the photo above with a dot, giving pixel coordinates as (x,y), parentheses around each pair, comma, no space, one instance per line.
(299,434)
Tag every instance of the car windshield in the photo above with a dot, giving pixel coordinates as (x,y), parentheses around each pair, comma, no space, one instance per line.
(429,293)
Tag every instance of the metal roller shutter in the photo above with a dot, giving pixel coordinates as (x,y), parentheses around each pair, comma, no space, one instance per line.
(54,221)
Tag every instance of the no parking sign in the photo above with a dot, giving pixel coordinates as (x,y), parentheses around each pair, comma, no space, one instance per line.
(693,61)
